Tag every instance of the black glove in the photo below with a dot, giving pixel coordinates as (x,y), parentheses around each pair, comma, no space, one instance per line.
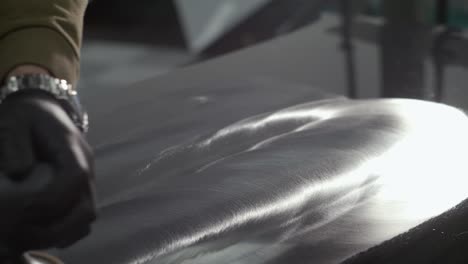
(46,180)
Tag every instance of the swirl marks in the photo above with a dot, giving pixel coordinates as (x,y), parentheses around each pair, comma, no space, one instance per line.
(313,176)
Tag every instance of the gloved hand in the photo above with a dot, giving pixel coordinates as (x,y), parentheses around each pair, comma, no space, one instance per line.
(46,180)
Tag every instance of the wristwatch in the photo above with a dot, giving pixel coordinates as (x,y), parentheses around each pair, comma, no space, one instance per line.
(58,88)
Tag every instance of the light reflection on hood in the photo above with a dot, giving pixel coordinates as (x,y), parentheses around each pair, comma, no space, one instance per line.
(339,174)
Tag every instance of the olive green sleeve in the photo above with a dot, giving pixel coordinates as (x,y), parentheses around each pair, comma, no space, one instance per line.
(47,33)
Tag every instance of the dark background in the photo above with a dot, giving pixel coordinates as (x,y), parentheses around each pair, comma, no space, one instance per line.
(399,48)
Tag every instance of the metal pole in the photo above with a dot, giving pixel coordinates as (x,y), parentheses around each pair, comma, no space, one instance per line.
(347,46)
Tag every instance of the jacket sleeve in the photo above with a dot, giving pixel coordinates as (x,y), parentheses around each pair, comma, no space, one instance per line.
(47,33)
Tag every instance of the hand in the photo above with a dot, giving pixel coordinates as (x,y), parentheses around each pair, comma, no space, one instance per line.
(47,186)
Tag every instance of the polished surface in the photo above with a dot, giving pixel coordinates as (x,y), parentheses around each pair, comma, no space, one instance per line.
(220,175)
(257,157)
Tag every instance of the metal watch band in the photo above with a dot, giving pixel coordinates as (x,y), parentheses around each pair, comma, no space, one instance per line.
(60,89)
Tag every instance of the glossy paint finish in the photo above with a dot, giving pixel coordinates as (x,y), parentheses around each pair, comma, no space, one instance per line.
(255,157)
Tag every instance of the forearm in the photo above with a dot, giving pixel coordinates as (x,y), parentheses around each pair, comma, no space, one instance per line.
(41,36)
